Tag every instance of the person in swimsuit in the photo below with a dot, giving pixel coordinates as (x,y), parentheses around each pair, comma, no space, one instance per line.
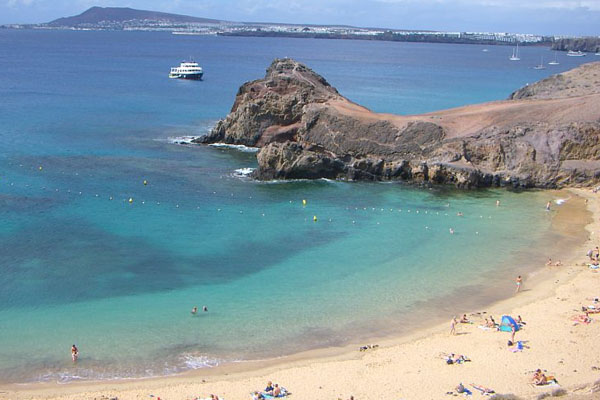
(269,388)
(74,353)
(276,390)
(453,326)
(194,310)
(204,308)
(548,206)
(519,282)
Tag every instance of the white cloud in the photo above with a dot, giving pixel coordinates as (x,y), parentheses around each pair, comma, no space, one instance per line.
(531,4)
(16,3)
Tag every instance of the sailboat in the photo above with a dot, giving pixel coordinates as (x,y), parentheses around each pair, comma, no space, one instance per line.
(554,62)
(541,64)
(515,55)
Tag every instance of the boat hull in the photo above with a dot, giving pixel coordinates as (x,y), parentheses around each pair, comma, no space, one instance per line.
(195,77)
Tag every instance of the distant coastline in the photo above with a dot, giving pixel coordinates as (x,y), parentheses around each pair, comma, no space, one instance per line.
(128,19)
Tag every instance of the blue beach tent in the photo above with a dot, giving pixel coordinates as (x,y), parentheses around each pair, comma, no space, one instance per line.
(507,323)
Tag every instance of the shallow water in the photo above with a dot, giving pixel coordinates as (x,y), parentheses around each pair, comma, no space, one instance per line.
(86,117)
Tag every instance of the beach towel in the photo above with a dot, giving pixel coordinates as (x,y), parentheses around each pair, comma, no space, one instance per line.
(485,328)
(283,393)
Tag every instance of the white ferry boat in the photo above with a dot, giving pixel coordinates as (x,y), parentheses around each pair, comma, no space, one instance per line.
(187,70)
(572,53)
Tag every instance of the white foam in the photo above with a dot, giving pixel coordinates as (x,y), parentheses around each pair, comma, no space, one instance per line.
(180,139)
(197,362)
(243,172)
(238,147)
(560,201)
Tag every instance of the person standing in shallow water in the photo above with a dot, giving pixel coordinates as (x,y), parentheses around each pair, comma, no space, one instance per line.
(74,353)
(548,206)
(519,283)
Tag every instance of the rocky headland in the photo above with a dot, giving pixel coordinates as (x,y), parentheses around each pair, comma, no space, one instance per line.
(545,135)
(589,44)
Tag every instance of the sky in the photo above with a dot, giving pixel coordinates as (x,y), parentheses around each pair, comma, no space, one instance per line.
(548,17)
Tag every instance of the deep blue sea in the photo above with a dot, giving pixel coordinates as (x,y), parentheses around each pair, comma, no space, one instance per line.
(86,117)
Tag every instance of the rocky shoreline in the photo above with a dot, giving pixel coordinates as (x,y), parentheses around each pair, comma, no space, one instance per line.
(547,135)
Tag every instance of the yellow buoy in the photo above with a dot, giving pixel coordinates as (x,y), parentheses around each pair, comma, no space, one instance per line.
(303,202)
(145,182)
(315,218)
(130,200)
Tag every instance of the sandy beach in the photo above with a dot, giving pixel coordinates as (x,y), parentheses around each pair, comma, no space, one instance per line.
(412,367)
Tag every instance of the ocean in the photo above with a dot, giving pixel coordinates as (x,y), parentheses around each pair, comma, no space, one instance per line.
(92,256)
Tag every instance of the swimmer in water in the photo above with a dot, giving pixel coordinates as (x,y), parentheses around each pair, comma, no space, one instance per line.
(74,353)
(459,214)
(204,308)
(497,203)
(194,310)
(451,231)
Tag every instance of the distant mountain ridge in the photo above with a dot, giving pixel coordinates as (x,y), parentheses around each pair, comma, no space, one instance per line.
(119,15)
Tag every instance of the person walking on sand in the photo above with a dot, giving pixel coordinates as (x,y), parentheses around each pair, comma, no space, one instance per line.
(519,282)
(453,326)
(74,353)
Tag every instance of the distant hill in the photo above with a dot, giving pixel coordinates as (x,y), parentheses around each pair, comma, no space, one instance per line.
(120,15)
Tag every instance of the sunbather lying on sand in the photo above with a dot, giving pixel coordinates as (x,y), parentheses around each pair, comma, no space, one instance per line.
(368,347)
(590,309)
(455,358)
(584,319)
(540,379)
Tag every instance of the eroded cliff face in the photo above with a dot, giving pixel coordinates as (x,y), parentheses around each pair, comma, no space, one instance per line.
(591,44)
(547,136)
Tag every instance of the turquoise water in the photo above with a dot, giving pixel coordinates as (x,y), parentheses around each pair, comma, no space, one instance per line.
(80,264)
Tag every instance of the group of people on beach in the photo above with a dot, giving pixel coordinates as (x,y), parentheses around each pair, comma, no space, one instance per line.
(271,390)
(551,263)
